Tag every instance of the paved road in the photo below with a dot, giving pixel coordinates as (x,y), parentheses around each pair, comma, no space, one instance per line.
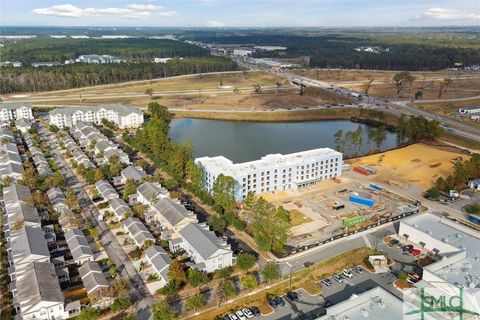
(113,248)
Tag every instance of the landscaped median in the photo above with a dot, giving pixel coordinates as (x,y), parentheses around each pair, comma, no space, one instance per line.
(306,278)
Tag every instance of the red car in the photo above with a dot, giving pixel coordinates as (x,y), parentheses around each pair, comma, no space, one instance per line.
(415,252)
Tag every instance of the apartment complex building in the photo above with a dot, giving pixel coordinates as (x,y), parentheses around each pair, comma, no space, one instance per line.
(123,116)
(15,111)
(274,171)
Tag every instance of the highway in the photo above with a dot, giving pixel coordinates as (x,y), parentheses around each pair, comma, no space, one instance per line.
(397,107)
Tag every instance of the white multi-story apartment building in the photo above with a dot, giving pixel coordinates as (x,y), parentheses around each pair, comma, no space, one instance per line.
(15,111)
(122,115)
(274,171)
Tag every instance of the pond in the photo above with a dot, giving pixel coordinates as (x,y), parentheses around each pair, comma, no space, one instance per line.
(242,141)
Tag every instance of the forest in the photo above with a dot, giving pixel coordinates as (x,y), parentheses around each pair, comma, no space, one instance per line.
(414,51)
(29,79)
(131,50)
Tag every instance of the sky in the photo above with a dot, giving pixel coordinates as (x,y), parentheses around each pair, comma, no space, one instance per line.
(240,13)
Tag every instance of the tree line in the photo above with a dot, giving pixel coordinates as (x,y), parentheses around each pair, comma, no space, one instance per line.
(131,50)
(79,75)
(463,171)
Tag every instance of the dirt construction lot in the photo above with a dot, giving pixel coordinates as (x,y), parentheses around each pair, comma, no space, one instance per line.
(316,202)
(416,166)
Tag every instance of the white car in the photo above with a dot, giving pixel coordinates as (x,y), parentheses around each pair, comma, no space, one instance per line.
(247,313)
(347,273)
(233,316)
(240,315)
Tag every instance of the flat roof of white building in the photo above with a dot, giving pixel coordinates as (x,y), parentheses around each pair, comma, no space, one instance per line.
(374,304)
(270,161)
(457,244)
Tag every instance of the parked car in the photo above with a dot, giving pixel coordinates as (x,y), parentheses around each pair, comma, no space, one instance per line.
(327,282)
(347,273)
(415,252)
(226,317)
(248,313)
(276,301)
(407,247)
(358,269)
(255,311)
(233,316)
(240,315)
(337,278)
(393,242)
(292,295)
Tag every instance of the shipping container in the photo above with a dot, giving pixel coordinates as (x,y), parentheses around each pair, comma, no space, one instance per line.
(361,200)
(350,222)
(362,170)
(474,218)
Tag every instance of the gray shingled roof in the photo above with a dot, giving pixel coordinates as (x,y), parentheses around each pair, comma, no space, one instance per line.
(122,110)
(149,190)
(24,212)
(160,260)
(28,241)
(202,240)
(138,230)
(92,276)
(105,189)
(134,173)
(16,193)
(172,211)
(120,207)
(40,283)
(78,244)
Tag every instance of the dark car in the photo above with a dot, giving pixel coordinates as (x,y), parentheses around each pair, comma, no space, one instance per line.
(393,242)
(327,282)
(358,269)
(255,311)
(276,301)
(407,247)
(292,295)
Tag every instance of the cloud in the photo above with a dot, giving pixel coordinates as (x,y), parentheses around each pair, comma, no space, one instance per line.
(215,24)
(442,14)
(131,11)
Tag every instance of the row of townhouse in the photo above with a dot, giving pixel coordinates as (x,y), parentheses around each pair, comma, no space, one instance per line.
(35,279)
(92,139)
(37,155)
(78,155)
(123,116)
(14,111)
(181,228)
(10,160)
(93,279)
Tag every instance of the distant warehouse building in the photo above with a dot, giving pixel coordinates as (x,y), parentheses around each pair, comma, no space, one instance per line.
(122,115)
(274,171)
(98,59)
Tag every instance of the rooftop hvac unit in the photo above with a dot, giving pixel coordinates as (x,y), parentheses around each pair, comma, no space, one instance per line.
(381,303)
(364,312)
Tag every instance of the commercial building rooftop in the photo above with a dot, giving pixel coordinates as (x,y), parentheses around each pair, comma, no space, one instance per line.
(456,244)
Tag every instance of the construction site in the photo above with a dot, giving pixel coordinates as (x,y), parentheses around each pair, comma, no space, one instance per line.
(372,190)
